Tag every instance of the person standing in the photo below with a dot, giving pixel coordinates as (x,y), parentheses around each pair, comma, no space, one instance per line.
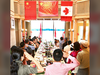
(57,68)
(61,42)
(67,49)
(83,58)
(74,54)
(23,39)
(65,43)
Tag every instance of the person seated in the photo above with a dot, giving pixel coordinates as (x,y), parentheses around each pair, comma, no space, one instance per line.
(57,68)
(40,40)
(35,43)
(56,46)
(17,68)
(30,38)
(57,43)
(27,49)
(27,44)
(12,49)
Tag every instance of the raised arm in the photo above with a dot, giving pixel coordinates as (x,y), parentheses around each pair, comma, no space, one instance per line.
(74,63)
(39,67)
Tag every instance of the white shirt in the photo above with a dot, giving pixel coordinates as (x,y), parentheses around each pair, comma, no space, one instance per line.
(67,49)
(32,47)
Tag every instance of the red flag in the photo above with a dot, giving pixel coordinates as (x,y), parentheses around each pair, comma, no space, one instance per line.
(78,34)
(31,32)
(48,8)
(55,33)
(40,35)
(63,34)
(66,10)
(30,10)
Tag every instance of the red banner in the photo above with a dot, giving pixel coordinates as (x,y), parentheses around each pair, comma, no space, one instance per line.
(30,10)
(55,33)
(48,8)
(40,35)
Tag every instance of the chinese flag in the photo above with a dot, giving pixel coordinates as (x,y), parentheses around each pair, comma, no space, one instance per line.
(48,8)
(30,10)
(66,10)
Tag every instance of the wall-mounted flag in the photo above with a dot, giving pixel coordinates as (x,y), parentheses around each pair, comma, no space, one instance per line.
(48,8)
(66,10)
(30,10)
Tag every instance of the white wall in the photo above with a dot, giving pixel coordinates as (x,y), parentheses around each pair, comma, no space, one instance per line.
(35,26)
(59,25)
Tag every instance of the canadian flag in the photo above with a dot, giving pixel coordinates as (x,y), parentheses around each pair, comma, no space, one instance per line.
(66,10)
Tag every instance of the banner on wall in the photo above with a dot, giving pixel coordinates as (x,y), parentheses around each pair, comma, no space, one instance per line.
(30,10)
(60,28)
(48,8)
(66,10)
(12,23)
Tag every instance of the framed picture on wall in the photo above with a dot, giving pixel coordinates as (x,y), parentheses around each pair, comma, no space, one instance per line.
(12,23)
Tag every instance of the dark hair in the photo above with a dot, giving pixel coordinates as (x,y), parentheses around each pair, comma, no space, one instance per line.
(33,38)
(57,54)
(29,36)
(27,40)
(13,48)
(66,38)
(30,43)
(16,55)
(61,38)
(39,38)
(55,42)
(55,39)
(69,42)
(76,46)
(22,44)
(29,50)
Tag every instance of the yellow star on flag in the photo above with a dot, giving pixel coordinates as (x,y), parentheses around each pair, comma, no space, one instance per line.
(27,3)
(41,3)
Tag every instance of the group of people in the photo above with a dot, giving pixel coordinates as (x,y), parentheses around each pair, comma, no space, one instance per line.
(76,56)
(79,50)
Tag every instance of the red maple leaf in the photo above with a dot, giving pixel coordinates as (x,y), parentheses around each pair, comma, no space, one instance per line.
(78,34)
(66,11)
